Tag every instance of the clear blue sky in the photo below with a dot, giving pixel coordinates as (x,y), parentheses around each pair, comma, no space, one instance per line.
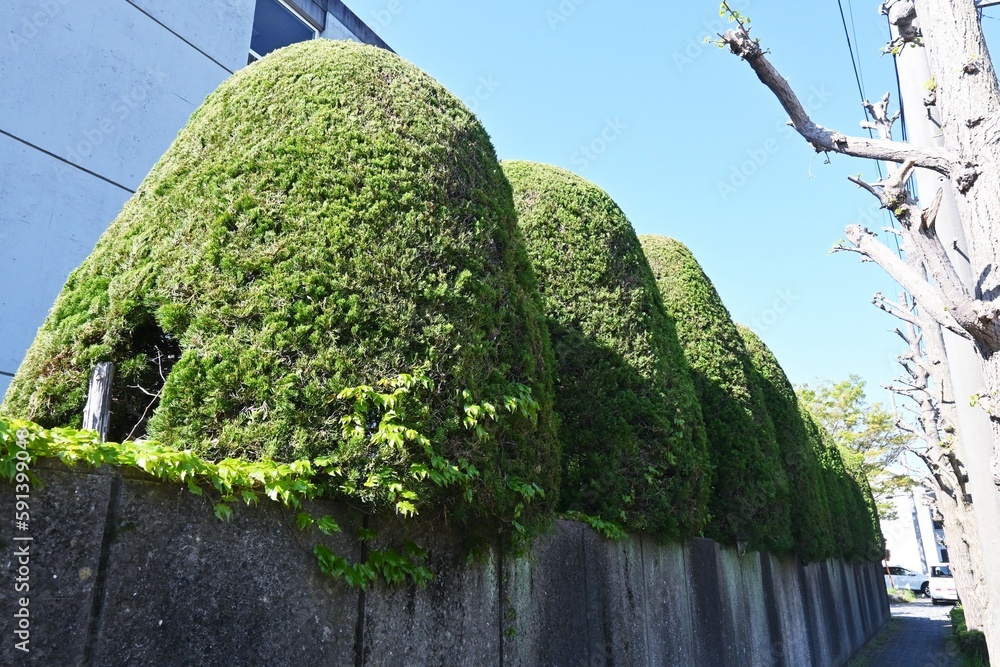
(690,144)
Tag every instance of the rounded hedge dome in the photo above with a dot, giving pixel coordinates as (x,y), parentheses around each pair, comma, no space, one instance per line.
(749,501)
(811,521)
(330,216)
(633,441)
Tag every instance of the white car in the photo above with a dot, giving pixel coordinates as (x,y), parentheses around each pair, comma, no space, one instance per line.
(942,584)
(901,578)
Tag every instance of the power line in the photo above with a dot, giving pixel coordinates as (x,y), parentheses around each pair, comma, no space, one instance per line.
(850,48)
(854,31)
(856,65)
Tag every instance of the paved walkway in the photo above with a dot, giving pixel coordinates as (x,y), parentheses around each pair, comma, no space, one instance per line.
(922,640)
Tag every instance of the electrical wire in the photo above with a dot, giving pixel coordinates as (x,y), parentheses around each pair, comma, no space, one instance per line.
(850,48)
(859,80)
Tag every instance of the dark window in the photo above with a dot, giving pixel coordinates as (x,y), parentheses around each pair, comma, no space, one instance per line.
(313,11)
(944,556)
(275,26)
(938,525)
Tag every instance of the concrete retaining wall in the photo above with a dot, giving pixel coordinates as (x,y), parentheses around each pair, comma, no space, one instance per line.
(126,571)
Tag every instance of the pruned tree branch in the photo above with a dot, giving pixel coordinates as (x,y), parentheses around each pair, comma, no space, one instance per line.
(928,296)
(893,309)
(974,316)
(824,139)
(880,113)
(902,14)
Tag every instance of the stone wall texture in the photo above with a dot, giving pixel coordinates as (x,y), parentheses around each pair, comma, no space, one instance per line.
(125,570)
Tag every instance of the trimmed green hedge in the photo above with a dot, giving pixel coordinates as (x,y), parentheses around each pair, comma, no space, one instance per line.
(810,513)
(856,531)
(750,501)
(633,441)
(971,643)
(329,217)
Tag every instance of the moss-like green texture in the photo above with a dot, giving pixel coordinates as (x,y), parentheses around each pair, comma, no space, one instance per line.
(853,524)
(330,216)
(810,511)
(633,441)
(749,501)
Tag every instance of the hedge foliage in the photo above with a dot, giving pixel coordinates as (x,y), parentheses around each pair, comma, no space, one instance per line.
(971,643)
(810,510)
(749,501)
(329,217)
(632,436)
(855,530)
(329,274)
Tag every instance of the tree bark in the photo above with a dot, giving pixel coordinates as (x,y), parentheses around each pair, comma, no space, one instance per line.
(924,361)
(967,96)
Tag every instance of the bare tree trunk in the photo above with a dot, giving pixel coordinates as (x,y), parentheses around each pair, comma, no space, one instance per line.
(968,99)
(963,547)
(924,361)
(959,520)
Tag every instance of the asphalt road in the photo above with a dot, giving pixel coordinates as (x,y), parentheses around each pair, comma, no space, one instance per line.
(922,640)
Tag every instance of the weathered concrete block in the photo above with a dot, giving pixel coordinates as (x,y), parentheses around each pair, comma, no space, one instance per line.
(454,620)
(738,644)
(795,648)
(545,602)
(818,600)
(813,623)
(669,630)
(844,616)
(850,604)
(616,601)
(870,580)
(776,630)
(882,594)
(186,588)
(67,515)
(837,637)
(709,603)
(761,647)
(867,623)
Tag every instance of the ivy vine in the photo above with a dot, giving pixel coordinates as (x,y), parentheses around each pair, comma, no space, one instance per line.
(377,419)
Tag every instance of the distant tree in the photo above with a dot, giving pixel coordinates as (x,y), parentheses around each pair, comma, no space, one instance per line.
(866,434)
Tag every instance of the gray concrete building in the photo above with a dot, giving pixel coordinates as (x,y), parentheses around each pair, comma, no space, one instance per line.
(93,92)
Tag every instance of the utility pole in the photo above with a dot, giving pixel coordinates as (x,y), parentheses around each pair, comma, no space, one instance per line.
(974,444)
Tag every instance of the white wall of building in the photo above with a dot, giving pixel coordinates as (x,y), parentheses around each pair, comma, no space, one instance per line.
(912,539)
(94,91)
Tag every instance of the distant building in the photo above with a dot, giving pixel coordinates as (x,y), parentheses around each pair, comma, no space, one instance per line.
(916,539)
(93,94)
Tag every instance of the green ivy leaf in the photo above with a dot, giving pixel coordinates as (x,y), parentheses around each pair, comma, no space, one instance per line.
(223,512)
